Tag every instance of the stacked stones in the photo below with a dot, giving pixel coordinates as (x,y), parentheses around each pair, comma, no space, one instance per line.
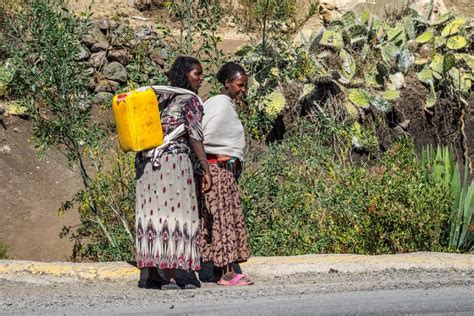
(116,53)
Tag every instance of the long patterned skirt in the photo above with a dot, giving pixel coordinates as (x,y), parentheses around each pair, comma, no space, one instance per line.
(224,237)
(167,216)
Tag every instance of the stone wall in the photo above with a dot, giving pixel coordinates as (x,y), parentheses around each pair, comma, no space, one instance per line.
(115,53)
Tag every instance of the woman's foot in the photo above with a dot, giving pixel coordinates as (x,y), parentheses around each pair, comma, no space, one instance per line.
(170,285)
(238,279)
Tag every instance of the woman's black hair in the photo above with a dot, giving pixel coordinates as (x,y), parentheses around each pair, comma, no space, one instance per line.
(229,71)
(178,74)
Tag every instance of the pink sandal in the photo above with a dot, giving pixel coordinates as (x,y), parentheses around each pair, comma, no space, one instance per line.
(237,280)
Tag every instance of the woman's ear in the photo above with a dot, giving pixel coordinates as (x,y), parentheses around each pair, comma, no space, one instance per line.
(227,84)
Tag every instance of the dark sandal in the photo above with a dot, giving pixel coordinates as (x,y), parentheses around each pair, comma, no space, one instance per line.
(170,286)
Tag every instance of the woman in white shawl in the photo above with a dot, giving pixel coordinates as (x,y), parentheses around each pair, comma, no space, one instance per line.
(224,238)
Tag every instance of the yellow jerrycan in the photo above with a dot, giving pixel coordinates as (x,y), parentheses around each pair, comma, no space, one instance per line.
(137,118)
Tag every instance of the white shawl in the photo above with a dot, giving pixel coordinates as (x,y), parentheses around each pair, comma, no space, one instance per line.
(223,130)
(156,153)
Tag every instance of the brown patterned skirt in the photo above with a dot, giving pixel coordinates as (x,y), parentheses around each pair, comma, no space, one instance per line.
(224,237)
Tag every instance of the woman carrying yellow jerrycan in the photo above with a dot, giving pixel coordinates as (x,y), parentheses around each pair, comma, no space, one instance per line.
(167,215)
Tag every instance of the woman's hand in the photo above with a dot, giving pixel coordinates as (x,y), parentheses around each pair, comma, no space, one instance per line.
(206,183)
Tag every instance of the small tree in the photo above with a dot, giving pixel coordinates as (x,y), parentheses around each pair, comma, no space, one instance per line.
(51,83)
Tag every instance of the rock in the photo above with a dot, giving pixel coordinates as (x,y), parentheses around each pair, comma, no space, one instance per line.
(102,24)
(98,60)
(5,149)
(329,6)
(311,26)
(83,54)
(100,46)
(107,86)
(116,40)
(113,25)
(404,124)
(398,131)
(145,33)
(17,130)
(102,98)
(89,72)
(329,16)
(92,36)
(156,57)
(91,84)
(115,71)
(119,55)
(164,53)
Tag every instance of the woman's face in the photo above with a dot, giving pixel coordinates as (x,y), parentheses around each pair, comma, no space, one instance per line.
(237,87)
(195,77)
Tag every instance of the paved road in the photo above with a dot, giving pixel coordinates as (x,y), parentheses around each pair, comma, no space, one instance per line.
(453,300)
(411,291)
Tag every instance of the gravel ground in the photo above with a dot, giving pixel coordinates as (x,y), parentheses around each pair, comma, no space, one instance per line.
(25,293)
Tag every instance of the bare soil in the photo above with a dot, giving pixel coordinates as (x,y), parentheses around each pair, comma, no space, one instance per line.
(31,192)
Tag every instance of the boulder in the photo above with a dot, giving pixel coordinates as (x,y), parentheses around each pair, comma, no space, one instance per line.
(100,46)
(83,54)
(107,86)
(102,24)
(92,36)
(115,71)
(156,57)
(98,60)
(119,55)
(102,98)
(89,71)
(5,149)
(145,33)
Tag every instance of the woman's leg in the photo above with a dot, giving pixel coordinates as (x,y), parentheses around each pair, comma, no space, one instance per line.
(170,275)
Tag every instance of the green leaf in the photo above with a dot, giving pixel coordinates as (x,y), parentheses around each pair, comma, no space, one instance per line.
(365,17)
(448,62)
(357,30)
(390,52)
(425,37)
(437,65)
(440,41)
(456,42)
(425,75)
(403,63)
(469,59)
(421,61)
(431,97)
(332,38)
(381,104)
(442,19)
(396,33)
(348,18)
(461,82)
(453,27)
(348,65)
(351,110)
(391,94)
(382,69)
(409,28)
(359,97)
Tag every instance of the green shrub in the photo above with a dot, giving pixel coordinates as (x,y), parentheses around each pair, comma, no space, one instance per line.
(298,199)
(3,251)
(447,173)
(111,235)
